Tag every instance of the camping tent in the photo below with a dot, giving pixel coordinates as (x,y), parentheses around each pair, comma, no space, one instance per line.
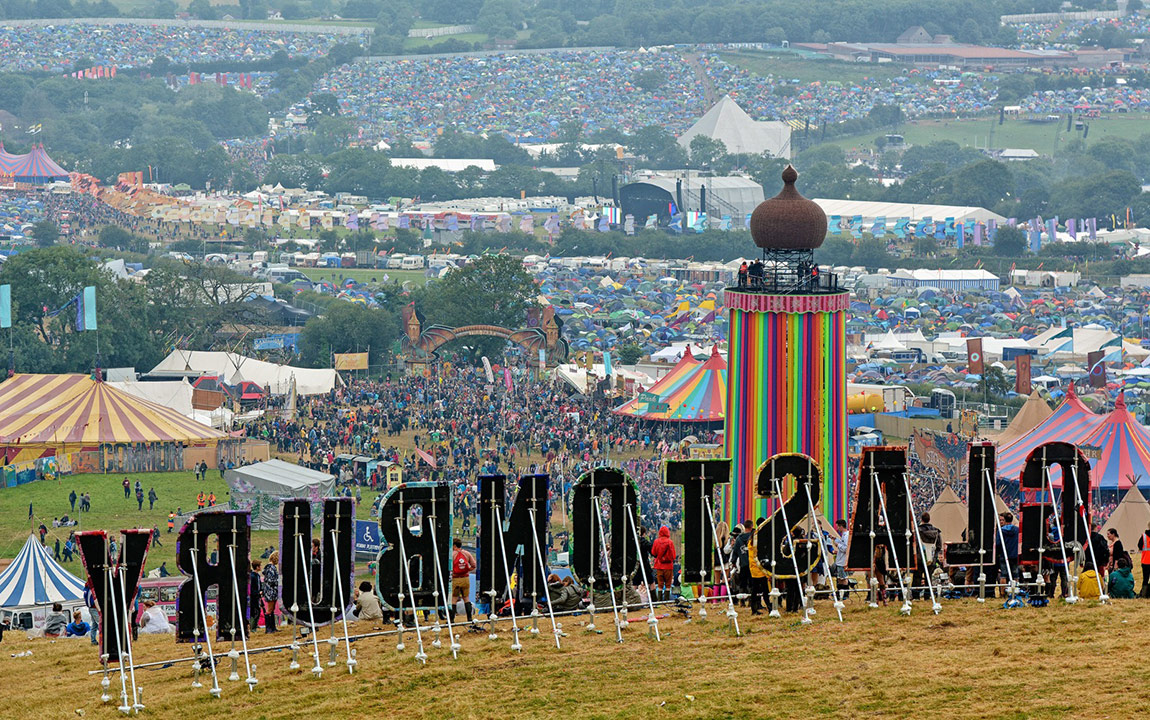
(276,379)
(1130,518)
(948,514)
(44,415)
(1032,414)
(1071,422)
(34,579)
(1124,446)
(261,487)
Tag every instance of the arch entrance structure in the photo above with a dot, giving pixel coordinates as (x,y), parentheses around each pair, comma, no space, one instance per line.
(541,338)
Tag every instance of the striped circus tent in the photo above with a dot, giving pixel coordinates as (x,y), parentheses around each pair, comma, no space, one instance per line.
(34,578)
(663,387)
(32,167)
(1123,450)
(44,415)
(701,397)
(1071,422)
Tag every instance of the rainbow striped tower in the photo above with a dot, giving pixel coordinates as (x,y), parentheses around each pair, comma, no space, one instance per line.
(786,389)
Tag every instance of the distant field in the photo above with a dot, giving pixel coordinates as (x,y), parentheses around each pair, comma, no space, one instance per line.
(789,65)
(364,275)
(1045,138)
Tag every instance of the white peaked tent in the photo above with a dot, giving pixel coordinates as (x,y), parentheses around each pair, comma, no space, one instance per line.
(1130,519)
(728,122)
(276,379)
(34,579)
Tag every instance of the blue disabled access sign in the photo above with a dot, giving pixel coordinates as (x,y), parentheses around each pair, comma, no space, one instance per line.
(367,539)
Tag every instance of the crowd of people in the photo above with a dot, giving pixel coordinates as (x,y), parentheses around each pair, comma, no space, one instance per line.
(55,48)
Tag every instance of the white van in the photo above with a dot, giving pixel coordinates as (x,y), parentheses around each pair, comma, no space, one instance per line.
(412,262)
(395,262)
(285,275)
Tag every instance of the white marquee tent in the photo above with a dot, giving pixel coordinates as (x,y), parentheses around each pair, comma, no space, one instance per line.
(276,379)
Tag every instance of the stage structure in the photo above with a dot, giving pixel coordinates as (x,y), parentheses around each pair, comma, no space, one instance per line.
(786,390)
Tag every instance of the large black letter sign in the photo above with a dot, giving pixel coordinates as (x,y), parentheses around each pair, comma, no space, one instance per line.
(327,601)
(113,581)
(232,530)
(698,479)
(522,542)
(414,511)
(587,547)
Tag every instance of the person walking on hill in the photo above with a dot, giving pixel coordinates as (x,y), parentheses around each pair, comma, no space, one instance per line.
(139,499)
(127,489)
(200,500)
(152,497)
(72,500)
(663,552)
(212,499)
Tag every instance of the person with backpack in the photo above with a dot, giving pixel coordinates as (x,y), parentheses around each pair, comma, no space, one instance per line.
(663,552)
(931,547)
(462,565)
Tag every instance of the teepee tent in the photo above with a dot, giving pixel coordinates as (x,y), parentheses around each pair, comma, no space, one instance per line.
(1125,449)
(663,387)
(948,514)
(1131,518)
(728,122)
(34,579)
(1032,414)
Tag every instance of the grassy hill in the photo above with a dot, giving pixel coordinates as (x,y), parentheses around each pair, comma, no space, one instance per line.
(972,661)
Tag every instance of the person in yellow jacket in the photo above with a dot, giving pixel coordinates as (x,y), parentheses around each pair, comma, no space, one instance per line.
(759,584)
(1088,584)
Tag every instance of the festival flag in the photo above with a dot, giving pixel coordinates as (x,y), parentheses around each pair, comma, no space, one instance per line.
(652,222)
(725,223)
(959,236)
(677,222)
(453,223)
(476,223)
(5,306)
(747,221)
(1096,365)
(607,363)
(1072,228)
(427,458)
(1022,374)
(352,221)
(604,222)
(974,364)
(551,224)
(507,378)
(86,309)
(527,224)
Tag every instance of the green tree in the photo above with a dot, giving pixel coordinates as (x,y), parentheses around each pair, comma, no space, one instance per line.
(925,247)
(629,353)
(493,290)
(45,233)
(994,383)
(872,254)
(330,135)
(348,327)
(1009,241)
(707,152)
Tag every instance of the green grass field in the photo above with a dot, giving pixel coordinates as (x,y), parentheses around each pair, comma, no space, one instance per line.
(111,512)
(1046,138)
(363,275)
